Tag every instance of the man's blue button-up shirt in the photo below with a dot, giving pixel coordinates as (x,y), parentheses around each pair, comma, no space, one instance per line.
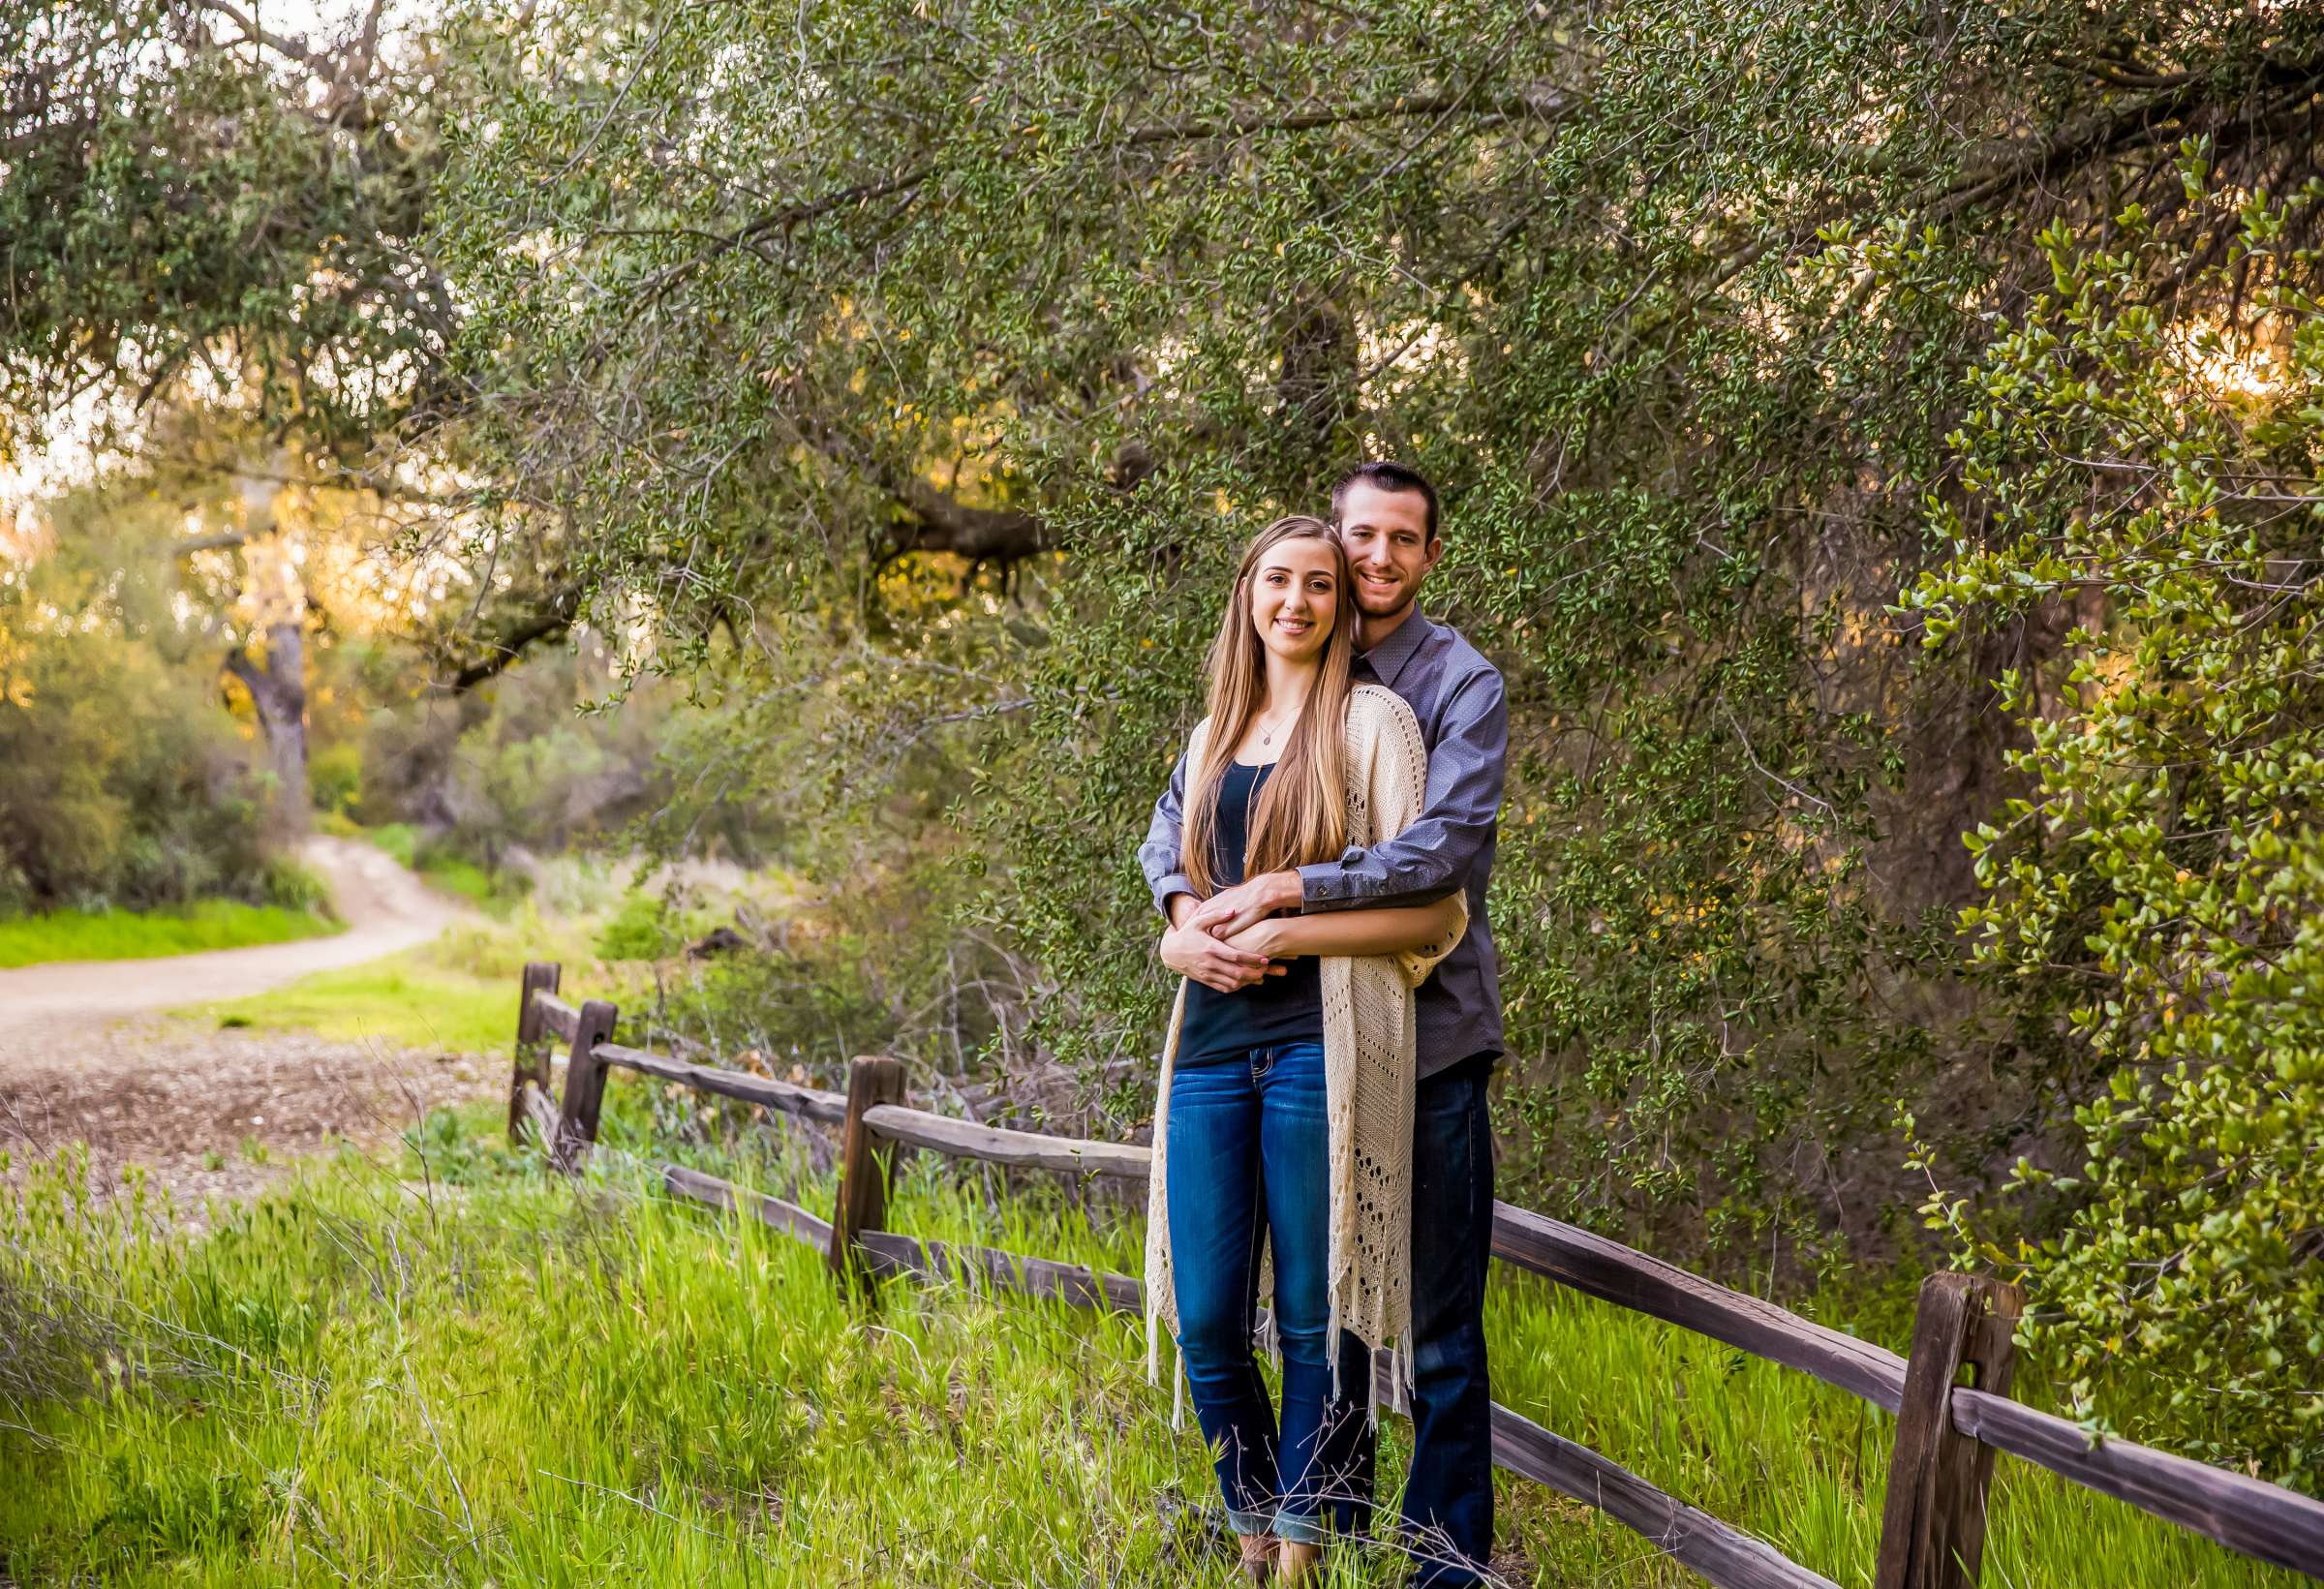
(1463,713)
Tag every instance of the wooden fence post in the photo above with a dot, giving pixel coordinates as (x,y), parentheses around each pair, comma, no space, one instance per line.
(584,1087)
(864,1163)
(541,976)
(1933,1528)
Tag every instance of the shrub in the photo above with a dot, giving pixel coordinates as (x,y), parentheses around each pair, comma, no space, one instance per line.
(645,928)
(399,840)
(120,783)
(2159,889)
(335,777)
(293,887)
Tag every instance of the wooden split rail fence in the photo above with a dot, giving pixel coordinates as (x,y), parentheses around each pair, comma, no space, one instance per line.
(1950,1396)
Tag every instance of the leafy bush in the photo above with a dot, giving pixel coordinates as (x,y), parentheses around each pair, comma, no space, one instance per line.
(399,840)
(1680,441)
(293,887)
(515,769)
(120,783)
(335,777)
(2158,888)
(491,890)
(439,859)
(645,928)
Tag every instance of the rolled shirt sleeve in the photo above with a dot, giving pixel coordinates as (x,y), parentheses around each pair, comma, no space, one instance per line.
(1163,854)
(1434,855)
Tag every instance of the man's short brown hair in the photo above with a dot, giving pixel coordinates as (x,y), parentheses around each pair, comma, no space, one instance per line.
(1383,476)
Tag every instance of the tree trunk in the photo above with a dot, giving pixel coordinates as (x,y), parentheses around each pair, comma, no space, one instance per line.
(277,679)
(278,690)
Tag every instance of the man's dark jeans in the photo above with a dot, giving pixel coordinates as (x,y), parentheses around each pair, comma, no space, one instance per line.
(1449,1499)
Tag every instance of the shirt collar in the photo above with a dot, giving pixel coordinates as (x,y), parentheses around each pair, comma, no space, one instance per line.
(1387,659)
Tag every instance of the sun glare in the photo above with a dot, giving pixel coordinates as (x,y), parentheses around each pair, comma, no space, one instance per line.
(2223,363)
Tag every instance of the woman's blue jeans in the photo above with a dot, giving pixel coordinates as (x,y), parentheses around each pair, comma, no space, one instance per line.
(1248,1157)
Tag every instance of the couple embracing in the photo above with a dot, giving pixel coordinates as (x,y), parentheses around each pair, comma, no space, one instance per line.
(1320,1137)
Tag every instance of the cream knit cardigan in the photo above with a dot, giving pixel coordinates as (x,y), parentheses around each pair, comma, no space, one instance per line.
(1368,1059)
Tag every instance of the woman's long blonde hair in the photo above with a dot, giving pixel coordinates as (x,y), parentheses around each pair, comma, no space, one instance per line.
(1301,815)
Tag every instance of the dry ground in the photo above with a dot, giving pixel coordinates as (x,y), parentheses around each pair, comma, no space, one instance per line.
(85,1058)
(220,1112)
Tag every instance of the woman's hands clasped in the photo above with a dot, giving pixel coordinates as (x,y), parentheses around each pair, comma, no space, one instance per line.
(1224,965)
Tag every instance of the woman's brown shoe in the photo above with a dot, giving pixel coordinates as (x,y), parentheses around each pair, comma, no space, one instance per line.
(1296,1561)
(1259,1556)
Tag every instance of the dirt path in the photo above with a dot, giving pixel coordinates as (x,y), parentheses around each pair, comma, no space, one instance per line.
(385,909)
(84,1058)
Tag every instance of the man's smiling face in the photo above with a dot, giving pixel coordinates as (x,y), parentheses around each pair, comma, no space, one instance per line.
(1385,533)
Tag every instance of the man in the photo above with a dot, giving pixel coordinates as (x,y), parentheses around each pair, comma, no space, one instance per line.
(1387,518)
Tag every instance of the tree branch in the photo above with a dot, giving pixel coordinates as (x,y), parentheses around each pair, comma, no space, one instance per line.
(981,535)
(550,622)
(290,48)
(220,541)
(1543,104)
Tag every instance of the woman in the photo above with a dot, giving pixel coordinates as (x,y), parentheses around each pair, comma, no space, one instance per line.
(1284,1118)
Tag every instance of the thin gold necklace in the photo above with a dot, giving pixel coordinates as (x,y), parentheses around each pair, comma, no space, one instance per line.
(1266,737)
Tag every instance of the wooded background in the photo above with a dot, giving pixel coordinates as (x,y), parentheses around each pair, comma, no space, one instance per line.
(1878,445)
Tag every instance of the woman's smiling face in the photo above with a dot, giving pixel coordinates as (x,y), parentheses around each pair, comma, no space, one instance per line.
(1295,597)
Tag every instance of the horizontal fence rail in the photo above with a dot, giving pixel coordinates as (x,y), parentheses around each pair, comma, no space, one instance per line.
(1026,1150)
(1947,1432)
(724,1195)
(807,1102)
(1075,1283)
(1715,1549)
(1631,1279)
(2234,1509)
(557,1015)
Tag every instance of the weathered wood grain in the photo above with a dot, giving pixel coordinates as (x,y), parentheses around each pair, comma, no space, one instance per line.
(2244,1513)
(1631,1279)
(1991,1356)
(865,1164)
(994,1144)
(888,1252)
(772,1212)
(584,1087)
(807,1102)
(1719,1551)
(531,1061)
(1932,1523)
(556,1015)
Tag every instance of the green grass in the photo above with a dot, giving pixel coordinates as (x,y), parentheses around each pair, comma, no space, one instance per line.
(457,993)
(405,999)
(399,840)
(134,935)
(471,882)
(495,892)
(457,1370)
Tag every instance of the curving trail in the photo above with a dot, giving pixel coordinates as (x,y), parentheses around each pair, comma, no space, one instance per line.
(86,1057)
(386,910)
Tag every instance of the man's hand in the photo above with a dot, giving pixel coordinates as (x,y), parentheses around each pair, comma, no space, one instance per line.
(1193,953)
(1246,904)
